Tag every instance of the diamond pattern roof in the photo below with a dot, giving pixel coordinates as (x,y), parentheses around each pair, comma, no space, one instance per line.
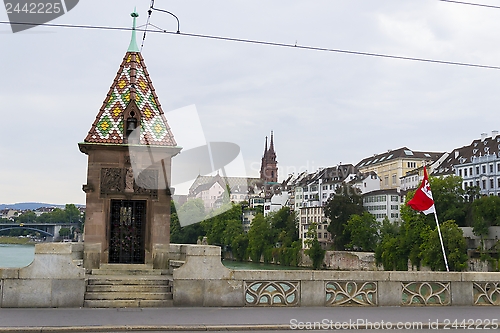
(132,82)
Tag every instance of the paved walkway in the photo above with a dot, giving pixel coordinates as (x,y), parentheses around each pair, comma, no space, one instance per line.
(237,319)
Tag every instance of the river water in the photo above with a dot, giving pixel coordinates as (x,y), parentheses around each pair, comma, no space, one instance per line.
(16,255)
(22,255)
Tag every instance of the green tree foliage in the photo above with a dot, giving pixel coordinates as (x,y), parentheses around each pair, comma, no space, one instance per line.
(347,201)
(65,232)
(239,247)
(485,213)
(454,244)
(363,230)
(448,196)
(27,217)
(215,226)
(258,237)
(314,250)
(191,212)
(73,214)
(184,235)
(189,234)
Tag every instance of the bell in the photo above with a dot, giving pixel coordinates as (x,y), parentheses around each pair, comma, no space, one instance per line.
(131,124)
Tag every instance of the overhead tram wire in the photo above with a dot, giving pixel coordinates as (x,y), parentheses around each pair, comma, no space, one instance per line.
(471,4)
(249,41)
(150,11)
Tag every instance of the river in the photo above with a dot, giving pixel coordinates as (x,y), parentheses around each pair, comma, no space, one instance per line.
(22,255)
(16,255)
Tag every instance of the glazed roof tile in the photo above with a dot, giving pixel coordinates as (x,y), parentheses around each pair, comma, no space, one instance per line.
(132,83)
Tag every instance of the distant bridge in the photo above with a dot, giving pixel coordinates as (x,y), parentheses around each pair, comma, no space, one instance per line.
(43,232)
(47,229)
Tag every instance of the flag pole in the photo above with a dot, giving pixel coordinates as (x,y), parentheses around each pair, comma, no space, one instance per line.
(441,240)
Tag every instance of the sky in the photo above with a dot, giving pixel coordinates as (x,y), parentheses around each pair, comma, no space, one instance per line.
(325,108)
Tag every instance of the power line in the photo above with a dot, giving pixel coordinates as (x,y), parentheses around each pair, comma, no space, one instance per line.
(249,41)
(471,4)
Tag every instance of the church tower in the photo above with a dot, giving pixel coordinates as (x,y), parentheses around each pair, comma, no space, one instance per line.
(269,165)
(129,148)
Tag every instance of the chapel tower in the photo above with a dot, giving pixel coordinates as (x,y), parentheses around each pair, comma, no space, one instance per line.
(129,148)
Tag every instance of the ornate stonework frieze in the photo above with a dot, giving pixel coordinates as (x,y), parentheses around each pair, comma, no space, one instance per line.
(486,293)
(351,293)
(426,293)
(272,293)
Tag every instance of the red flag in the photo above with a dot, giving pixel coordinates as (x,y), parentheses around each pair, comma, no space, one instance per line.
(422,200)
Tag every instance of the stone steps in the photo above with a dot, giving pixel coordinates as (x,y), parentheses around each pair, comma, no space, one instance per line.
(120,285)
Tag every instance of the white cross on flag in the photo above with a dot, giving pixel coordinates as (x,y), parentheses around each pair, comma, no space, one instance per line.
(422,200)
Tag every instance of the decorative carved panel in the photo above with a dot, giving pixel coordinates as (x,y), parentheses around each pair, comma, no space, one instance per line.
(272,293)
(121,181)
(486,293)
(351,293)
(426,293)
(112,180)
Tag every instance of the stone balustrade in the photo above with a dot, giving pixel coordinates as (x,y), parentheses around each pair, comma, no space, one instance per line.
(204,281)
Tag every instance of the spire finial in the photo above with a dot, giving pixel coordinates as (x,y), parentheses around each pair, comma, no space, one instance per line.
(133,43)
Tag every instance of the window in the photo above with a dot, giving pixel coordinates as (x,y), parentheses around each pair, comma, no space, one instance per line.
(324,196)
(386,180)
(465,173)
(484,168)
(498,185)
(319,234)
(491,168)
(498,167)
(470,171)
(325,187)
(492,183)
(477,170)
(306,197)
(325,235)
(484,184)
(470,184)
(393,179)
(460,172)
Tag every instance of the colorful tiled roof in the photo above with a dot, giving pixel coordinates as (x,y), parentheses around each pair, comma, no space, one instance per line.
(132,83)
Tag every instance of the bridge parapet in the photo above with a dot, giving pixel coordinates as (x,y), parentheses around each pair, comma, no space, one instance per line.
(51,280)
(203,281)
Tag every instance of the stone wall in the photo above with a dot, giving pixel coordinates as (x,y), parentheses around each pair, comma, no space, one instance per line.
(203,281)
(345,261)
(53,279)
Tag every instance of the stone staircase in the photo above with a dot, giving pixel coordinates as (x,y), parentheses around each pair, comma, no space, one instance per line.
(123,285)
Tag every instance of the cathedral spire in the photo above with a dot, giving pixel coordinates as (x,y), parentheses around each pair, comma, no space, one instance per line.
(265,148)
(271,146)
(269,168)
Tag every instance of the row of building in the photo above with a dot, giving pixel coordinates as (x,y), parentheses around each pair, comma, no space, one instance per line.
(382,179)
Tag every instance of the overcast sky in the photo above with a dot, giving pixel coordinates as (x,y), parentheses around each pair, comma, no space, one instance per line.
(323,107)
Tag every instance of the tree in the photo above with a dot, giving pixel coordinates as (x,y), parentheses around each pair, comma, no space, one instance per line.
(454,244)
(188,234)
(191,212)
(26,217)
(449,198)
(314,250)
(239,247)
(363,230)
(347,201)
(258,237)
(65,232)
(485,213)
(233,229)
(73,214)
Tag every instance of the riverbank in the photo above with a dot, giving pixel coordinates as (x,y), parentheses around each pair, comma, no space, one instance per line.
(16,240)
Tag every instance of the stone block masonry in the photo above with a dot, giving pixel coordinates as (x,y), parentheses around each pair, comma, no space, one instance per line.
(52,280)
